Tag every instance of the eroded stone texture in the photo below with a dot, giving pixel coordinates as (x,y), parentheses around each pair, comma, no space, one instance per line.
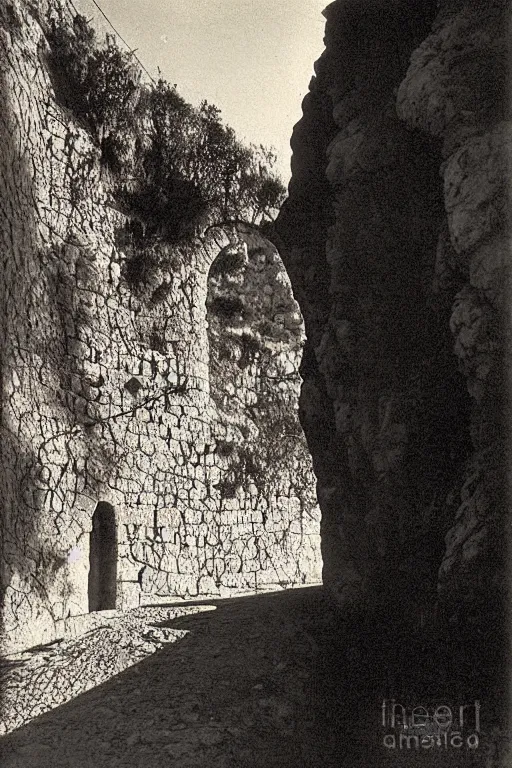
(107,391)
(456,88)
(396,240)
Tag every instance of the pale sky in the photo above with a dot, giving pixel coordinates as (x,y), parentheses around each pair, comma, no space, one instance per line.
(251,58)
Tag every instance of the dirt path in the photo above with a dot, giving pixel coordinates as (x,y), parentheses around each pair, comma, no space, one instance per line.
(258,682)
(229,693)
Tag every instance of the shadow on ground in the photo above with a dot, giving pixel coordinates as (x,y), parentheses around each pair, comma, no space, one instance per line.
(272,681)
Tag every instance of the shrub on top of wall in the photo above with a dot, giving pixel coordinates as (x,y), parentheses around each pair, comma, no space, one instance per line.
(70,49)
(98,84)
(177,168)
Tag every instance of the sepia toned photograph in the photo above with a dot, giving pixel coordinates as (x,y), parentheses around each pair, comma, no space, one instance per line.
(256,384)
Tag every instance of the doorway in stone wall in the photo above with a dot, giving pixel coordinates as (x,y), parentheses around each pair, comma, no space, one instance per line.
(103,559)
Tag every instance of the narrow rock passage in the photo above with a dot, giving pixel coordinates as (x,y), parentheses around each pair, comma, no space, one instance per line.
(259,682)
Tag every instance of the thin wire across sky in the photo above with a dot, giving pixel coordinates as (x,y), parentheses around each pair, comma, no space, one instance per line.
(253,60)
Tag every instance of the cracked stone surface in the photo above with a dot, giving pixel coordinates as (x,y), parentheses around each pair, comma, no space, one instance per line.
(117,396)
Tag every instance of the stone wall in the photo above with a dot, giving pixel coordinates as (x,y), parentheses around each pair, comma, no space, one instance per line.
(108,391)
(396,239)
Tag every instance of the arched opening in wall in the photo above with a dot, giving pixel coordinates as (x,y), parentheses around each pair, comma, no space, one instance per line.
(256,337)
(103,559)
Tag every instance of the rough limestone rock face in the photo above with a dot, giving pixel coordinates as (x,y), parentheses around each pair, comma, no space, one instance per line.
(125,480)
(396,239)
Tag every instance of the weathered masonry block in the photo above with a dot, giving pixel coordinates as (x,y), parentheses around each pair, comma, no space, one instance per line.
(134,431)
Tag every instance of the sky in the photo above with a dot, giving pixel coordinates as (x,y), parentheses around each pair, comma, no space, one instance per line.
(251,58)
